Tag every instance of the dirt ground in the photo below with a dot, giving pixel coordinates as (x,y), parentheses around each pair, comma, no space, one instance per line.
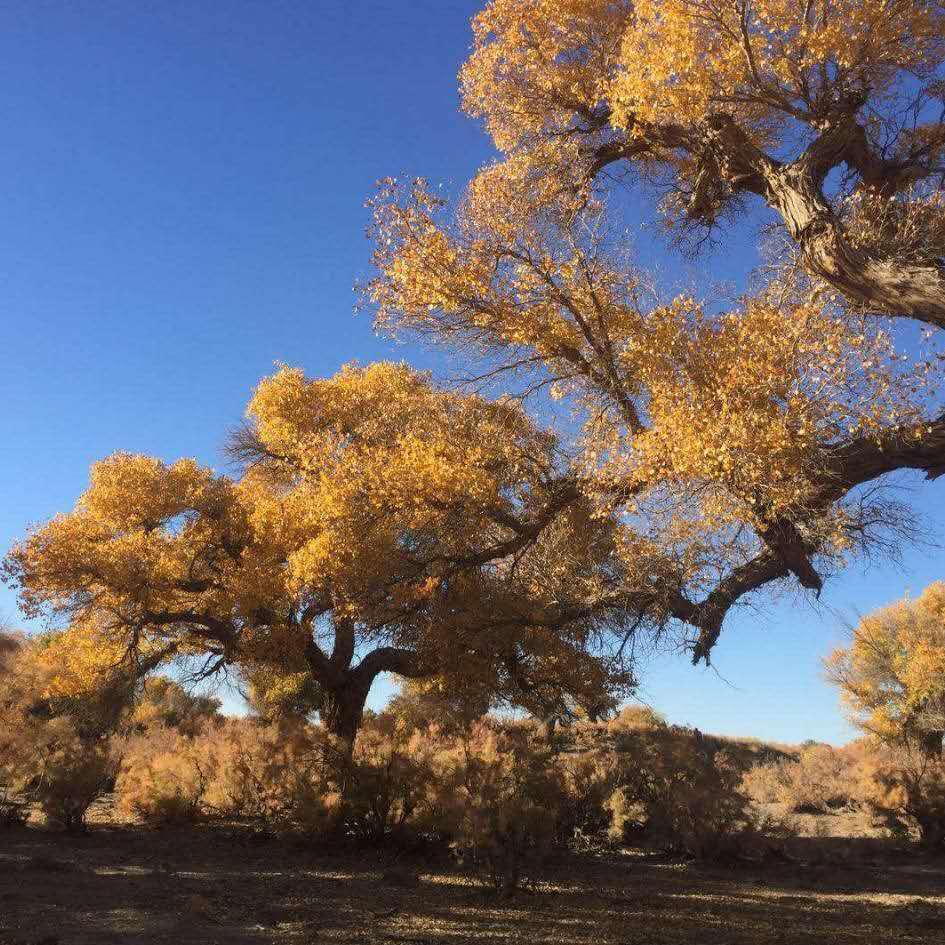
(220,885)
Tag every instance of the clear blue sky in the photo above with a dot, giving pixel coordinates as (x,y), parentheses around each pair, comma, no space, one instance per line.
(181,206)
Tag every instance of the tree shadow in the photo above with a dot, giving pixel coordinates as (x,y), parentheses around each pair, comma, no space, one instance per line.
(211,884)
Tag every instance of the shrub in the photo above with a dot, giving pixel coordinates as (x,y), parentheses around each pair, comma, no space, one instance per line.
(388,777)
(279,774)
(499,798)
(44,757)
(276,774)
(165,776)
(822,778)
(635,718)
(73,774)
(904,788)
(683,793)
(589,780)
(164,702)
(422,704)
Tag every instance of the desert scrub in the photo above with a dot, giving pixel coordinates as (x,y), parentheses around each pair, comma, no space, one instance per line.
(388,778)
(821,779)
(498,797)
(280,774)
(681,793)
(904,789)
(165,776)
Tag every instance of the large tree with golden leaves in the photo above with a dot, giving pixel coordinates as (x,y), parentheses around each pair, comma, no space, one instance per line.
(384,525)
(733,447)
(380,525)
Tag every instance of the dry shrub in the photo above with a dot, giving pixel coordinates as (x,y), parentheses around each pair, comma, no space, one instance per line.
(73,775)
(498,797)
(820,780)
(635,718)
(421,704)
(590,779)
(766,783)
(10,643)
(388,777)
(682,793)
(165,776)
(904,788)
(47,758)
(279,774)
(272,773)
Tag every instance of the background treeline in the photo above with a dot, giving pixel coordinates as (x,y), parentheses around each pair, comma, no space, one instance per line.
(501,794)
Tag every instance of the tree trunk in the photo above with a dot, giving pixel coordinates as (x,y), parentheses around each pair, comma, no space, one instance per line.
(888,285)
(342,710)
(931,744)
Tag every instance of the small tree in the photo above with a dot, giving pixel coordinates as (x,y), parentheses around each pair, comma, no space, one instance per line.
(892,675)
(62,695)
(892,678)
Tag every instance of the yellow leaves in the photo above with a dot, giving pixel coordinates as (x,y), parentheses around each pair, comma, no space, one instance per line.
(534,59)
(737,408)
(380,454)
(144,537)
(670,65)
(76,663)
(741,406)
(361,491)
(128,490)
(892,675)
(541,70)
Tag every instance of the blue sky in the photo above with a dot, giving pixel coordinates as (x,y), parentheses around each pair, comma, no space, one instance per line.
(181,206)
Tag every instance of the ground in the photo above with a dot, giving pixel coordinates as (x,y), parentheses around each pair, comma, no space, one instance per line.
(217,885)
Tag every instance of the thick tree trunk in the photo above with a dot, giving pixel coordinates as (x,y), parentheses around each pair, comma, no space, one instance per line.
(794,190)
(342,710)
(883,284)
(344,687)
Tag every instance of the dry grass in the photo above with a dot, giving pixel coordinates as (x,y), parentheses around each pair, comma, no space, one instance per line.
(221,885)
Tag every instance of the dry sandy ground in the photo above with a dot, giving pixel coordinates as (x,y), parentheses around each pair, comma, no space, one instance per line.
(225,885)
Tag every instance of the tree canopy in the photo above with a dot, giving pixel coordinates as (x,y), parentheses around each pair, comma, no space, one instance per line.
(892,674)
(736,440)
(380,525)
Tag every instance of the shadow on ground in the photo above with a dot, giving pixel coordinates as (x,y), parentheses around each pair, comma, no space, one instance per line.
(214,885)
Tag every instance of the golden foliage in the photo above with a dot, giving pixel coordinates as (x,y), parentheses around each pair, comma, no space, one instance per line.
(373,503)
(540,67)
(892,675)
(730,414)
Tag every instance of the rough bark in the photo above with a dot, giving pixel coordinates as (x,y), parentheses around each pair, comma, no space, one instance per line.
(345,688)
(729,163)
(342,711)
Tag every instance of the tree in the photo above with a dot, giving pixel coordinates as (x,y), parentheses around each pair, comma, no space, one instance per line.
(892,678)
(62,696)
(380,525)
(744,446)
(892,675)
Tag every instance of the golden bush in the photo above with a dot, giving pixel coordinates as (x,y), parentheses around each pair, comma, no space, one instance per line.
(498,797)
(904,788)
(682,792)
(388,777)
(165,776)
(279,774)
(822,778)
